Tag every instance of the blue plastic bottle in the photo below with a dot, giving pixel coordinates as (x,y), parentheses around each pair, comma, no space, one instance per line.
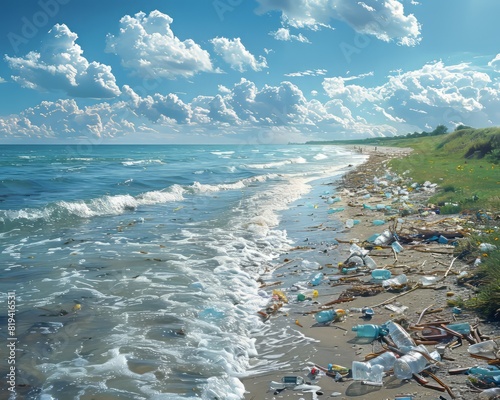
(316,279)
(325,316)
(381,274)
(462,327)
(369,331)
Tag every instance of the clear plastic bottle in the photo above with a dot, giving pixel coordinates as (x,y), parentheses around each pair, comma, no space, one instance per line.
(372,370)
(487,349)
(397,247)
(411,363)
(362,371)
(396,281)
(399,336)
(384,238)
(370,262)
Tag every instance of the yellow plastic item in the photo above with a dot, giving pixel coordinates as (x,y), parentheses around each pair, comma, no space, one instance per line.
(315,293)
(280,295)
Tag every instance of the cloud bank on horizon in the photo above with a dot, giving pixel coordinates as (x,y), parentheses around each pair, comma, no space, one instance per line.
(149,78)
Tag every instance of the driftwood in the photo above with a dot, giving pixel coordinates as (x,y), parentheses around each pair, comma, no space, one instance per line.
(395,297)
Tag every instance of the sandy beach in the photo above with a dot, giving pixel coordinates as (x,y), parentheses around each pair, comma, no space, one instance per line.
(336,343)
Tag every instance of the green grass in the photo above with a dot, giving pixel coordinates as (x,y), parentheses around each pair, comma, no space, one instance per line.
(472,183)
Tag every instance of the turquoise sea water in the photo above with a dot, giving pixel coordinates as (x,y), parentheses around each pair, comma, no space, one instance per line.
(134,267)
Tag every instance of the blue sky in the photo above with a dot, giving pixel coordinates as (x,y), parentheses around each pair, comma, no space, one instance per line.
(244,71)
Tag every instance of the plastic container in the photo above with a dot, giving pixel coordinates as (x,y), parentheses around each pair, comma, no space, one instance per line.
(292,381)
(355,261)
(411,363)
(373,370)
(364,372)
(383,238)
(462,327)
(381,274)
(489,370)
(486,247)
(396,246)
(442,240)
(369,331)
(428,280)
(349,223)
(370,262)
(357,250)
(325,316)
(316,279)
(486,349)
(396,281)
(378,222)
(399,336)
(350,270)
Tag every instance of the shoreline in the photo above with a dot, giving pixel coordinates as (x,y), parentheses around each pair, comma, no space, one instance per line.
(336,343)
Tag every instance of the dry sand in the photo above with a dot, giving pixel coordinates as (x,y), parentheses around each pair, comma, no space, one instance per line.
(336,343)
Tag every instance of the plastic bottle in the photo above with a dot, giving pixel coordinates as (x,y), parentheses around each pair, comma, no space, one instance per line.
(325,316)
(350,270)
(428,280)
(373,369)
(370,262)
(462,327)
(487,349)
(488,370)
(396,281)
(383,238)
(349,223)
(369,331)
(397,247)
(381,274)
(338,368)
(357,250)
(316,279)
(399,336)
(355,261)
(411,363)
(362,371)
(442,240)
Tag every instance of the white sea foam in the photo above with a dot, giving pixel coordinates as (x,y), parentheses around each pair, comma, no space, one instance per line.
(320,156)
(141,162)
(276,164)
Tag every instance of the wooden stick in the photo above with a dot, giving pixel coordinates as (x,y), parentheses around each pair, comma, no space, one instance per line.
(451,265)
(423,313)
(395,297)
(439,381)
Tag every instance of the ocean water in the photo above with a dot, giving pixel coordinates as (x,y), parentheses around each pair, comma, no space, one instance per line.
(134,267)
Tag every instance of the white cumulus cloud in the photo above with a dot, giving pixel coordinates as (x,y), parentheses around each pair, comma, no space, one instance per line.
(285,35)
(236,55)
(495,63)
(60,66)
(384,19)
(147,46)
